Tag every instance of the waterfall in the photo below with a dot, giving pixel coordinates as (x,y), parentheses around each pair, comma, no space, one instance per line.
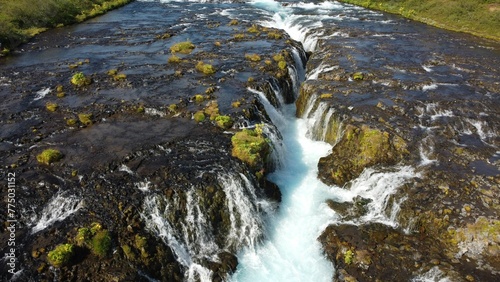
(191,237)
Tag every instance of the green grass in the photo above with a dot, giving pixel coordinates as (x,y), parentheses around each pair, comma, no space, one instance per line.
(22,19)
(477,17)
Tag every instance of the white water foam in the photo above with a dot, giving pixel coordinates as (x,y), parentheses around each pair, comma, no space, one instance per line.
(42,93)
(58,208)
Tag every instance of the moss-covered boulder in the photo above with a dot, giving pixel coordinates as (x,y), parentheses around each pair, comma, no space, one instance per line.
(251,147)
(61,255)
(49,156)
(359,148)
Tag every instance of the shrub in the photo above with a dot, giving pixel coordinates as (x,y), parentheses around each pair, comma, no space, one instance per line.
(61,255)
(49,156)
(252,57)
(224,122)
(79,79)
(326,96)
(185,47)
(205,68)
(234,22)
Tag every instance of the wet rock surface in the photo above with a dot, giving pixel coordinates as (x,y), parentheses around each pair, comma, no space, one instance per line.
(431,103)
(131,146)
(144,156)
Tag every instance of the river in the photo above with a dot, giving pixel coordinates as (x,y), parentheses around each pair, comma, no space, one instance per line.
(436,90)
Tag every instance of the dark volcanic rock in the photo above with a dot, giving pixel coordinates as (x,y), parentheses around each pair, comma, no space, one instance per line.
(135,160)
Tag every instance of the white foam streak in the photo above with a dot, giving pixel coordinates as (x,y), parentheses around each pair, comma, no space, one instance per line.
(58,209)
(41,94)
(319,70)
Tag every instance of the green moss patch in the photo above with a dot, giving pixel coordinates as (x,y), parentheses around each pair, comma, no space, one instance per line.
(51,107)
(86,119)
(185,47)
(79,79)
(61,255)
(100,243)
(252,57)
(251,147)
(199,116)
(49,156)
(224,122)
(205,68)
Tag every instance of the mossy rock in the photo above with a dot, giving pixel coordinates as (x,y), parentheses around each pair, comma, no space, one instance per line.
(212,110)
(199,116)
(174,59)
(224,122)
(61,255)
(252,57)
(85,119)
(359,148)
(83,236)
(79,79)
(185,47)
(251,147)
(205,68)
(51,107)
(49,156)
(100,243)
(358,76)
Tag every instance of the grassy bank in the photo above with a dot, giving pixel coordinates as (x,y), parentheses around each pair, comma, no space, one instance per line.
(478,17)
(22,19)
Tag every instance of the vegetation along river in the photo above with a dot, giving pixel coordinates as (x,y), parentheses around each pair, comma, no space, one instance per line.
(250,141)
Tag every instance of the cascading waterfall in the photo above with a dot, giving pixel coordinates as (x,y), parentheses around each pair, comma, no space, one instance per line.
(192,238)
(303,215)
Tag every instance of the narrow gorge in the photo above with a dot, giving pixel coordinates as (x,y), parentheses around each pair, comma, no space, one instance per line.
(251,141)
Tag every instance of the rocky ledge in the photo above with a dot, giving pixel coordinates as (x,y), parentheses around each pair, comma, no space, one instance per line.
(133,148)
(433,112)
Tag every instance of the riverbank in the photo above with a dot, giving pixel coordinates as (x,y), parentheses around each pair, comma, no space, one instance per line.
(480,18)
(21,20)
